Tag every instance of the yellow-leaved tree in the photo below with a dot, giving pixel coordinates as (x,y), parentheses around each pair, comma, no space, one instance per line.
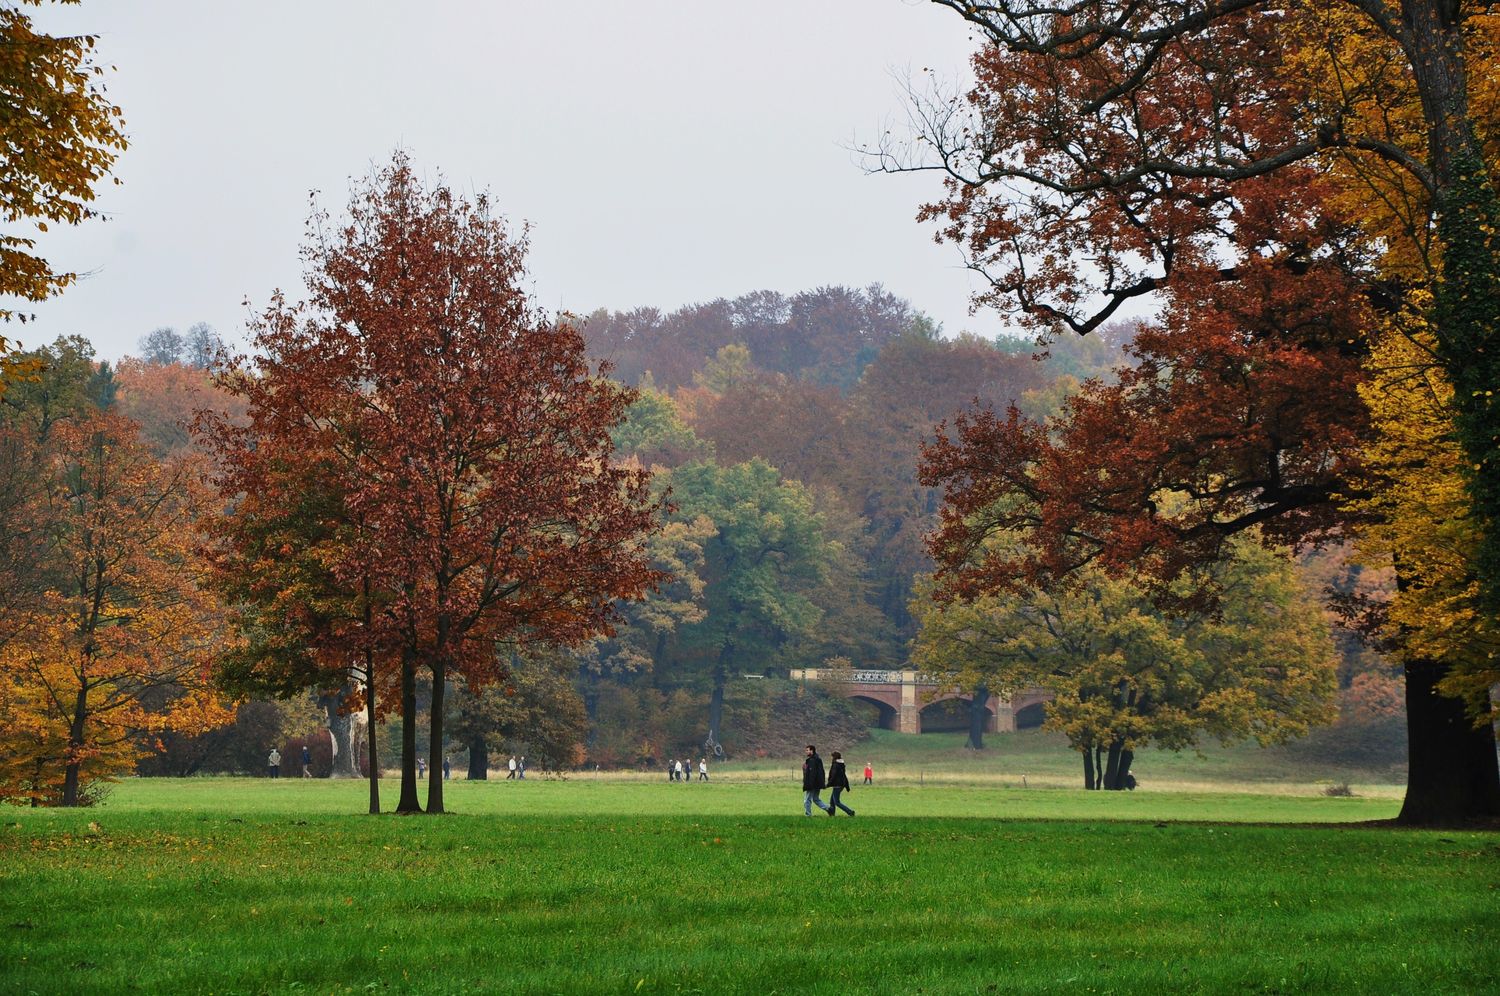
(1423,518)
(109,641)
(61,135)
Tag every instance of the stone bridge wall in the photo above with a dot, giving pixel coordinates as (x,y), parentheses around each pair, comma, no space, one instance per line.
(903,694)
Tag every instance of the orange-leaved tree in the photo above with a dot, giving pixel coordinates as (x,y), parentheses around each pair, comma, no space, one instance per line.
(463,434)
(61,134)
(111,641)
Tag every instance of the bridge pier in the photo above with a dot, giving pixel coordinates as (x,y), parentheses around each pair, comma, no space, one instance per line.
(1005,716)
(910,717)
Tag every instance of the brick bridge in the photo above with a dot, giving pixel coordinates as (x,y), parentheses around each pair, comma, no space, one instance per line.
(901,696)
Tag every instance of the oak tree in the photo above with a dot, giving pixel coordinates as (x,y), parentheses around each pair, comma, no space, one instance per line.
(1187,149)
(473,440)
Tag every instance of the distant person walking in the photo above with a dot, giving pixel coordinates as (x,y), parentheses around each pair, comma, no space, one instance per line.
(447,768)
(812,782)
(273,763)
(703,769)
(869,774)
(521,768)
(512,773)
(421,767)
(677,771)
(671,771)
(306,762)
(839,782)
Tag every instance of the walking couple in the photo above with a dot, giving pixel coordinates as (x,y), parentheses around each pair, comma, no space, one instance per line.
(814,782)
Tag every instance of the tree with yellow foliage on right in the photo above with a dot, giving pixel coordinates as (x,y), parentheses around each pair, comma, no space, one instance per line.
(1425,523)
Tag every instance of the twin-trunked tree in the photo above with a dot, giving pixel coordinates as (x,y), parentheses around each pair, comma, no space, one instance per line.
(424,480)
(1290,182)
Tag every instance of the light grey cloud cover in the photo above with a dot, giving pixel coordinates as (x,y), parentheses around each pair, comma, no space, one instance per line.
(664,152)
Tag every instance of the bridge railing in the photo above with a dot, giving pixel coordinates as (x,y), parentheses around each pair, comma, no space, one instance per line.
(863,676)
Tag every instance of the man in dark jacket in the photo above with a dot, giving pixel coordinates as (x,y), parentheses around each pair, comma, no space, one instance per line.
(812,781)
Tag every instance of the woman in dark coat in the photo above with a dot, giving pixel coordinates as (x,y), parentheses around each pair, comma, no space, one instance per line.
(838,780)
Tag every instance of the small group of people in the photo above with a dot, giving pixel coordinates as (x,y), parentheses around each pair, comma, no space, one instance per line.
(681,770)
(516,770)
(814,781)
(273,763)
(447,767)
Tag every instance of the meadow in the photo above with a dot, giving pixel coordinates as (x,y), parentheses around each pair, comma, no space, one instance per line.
(618,884)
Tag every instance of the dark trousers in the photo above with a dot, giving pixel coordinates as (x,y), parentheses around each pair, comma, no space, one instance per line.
(833,802)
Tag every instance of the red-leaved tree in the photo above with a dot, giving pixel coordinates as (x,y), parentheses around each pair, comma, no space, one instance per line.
(1112,150)
(464,435)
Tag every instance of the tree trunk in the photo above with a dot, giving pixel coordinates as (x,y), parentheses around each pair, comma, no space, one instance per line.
(716,701)
(435,739)
(408,802)
(1112,770)
(479,760)
(341,729)
(1127,758)
(1435,49)
(370,735)
(75,745)
(1452,775)
(1467,295)
(977,716)
(1088,767)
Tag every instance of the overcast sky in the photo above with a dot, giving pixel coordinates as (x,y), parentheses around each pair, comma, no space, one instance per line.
(664,152)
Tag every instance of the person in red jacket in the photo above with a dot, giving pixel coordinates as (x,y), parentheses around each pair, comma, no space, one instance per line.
(869,774)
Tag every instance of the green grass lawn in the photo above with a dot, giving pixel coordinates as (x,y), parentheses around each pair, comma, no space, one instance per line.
(1035,758)
(613,885)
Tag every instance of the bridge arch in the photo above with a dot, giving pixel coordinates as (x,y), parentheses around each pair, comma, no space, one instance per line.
(902,698)
(950,714)
(886,715)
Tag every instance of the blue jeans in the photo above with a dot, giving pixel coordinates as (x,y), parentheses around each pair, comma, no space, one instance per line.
(833,801)
(810,799)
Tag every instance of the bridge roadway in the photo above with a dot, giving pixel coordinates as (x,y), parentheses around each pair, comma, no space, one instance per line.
(902,695)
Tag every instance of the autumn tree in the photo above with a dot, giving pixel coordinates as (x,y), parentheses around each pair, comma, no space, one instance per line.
(474,442)
(1191,151)
(62,135)
(165,399)
(1124,674)
(121,609)
(1423,521)
(305,625)
(68,385)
